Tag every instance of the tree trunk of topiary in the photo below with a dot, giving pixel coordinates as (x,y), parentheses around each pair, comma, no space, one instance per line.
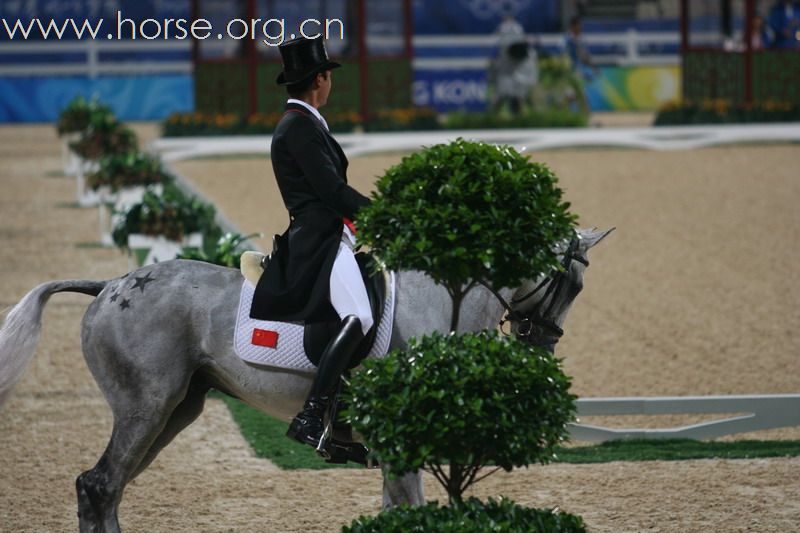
(457,296)
(454,482)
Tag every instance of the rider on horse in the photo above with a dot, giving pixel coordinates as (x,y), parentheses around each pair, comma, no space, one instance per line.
(313,267)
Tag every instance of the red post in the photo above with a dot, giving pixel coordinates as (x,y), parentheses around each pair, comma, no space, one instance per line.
(363,66)
(750,13)
(252,61)
(408,29)
(684,26)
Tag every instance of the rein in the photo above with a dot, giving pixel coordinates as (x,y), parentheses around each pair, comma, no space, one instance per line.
(546,331)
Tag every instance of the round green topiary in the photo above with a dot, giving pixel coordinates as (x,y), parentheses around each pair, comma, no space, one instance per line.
(473,516)
(467,212)
(466,401)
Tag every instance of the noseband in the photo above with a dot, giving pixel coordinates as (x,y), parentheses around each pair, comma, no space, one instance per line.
(533,326)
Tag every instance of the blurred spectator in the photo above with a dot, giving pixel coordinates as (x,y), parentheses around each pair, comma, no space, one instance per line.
(762,36)
(579,55)
(514,71)
(784,18)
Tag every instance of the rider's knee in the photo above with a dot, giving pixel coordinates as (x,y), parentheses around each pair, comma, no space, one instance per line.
(366,322)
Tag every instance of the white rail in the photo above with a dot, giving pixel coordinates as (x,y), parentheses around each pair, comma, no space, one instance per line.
(93,65)
(754,413)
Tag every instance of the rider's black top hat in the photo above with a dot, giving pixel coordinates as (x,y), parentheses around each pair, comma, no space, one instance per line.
(303,58)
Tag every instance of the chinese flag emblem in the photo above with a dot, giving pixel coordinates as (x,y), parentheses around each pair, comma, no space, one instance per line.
(265,337)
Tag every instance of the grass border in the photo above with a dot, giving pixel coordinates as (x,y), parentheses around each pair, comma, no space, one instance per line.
(266,435)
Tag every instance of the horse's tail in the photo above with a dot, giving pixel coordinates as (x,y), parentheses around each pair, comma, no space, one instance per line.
(20,332)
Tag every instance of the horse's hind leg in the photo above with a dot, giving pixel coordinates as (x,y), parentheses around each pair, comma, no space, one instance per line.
(139,418)
(184,414)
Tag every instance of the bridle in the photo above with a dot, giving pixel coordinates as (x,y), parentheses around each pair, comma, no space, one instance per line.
(532,326)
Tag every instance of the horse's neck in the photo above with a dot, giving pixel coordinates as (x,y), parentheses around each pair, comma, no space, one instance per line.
(424,306)
(481,309)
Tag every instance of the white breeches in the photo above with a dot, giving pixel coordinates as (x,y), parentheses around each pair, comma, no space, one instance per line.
(348,295)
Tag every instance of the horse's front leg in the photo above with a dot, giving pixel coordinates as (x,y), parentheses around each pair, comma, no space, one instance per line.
(406,489)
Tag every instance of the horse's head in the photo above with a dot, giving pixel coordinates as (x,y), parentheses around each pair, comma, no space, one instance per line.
(539,307)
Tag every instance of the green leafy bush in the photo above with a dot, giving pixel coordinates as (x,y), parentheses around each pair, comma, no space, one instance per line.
(172,214)
(469,401)
(224,252)
(472,516)
(128,170)
(104,136)
(467,212)
(80,113)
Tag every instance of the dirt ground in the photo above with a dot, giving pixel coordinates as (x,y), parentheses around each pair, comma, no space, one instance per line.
(694,294)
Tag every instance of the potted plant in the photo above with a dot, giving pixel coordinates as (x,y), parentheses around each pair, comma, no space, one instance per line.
(104,136)
(160,226)
(72,121)
(121,181)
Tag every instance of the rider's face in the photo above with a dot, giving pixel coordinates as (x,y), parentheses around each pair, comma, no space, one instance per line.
(325,82)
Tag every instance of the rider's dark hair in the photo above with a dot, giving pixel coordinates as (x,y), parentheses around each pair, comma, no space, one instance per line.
(298,90)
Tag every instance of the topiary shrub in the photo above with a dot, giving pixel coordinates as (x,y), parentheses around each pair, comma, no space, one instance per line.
(467,401)
(473,516)
(466,213)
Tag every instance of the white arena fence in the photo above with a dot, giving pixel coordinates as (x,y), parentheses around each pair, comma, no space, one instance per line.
(93,58)
(752,413)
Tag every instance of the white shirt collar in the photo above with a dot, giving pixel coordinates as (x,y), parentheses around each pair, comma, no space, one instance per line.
(311,108)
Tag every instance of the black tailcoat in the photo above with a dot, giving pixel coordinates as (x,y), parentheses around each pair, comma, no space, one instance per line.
(311,170)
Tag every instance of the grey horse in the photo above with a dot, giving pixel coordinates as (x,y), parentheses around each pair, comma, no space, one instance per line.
(158,339)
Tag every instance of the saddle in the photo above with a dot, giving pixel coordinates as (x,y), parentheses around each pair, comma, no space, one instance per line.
(317,334)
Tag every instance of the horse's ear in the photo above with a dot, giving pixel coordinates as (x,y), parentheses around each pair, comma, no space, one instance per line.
(590,237)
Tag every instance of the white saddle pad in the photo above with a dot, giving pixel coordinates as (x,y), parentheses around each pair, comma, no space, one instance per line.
(280,344)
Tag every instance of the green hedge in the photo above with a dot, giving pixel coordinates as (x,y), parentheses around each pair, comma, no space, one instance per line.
(409,119)
(726,112)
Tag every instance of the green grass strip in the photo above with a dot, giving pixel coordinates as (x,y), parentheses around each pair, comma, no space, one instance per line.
(266,436)
(677,450)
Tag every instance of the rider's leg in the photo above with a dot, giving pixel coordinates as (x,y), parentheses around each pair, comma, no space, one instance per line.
(348,294)
(351,303)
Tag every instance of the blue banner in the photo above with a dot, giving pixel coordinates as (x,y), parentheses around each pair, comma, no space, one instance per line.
(432,17)
(450,90)
(39,99)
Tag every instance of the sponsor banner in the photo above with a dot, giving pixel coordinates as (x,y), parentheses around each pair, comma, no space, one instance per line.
(39,99)
(450,90)
(644,88)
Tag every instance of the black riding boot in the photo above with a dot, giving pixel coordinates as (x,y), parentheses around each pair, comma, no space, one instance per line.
(307,426)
